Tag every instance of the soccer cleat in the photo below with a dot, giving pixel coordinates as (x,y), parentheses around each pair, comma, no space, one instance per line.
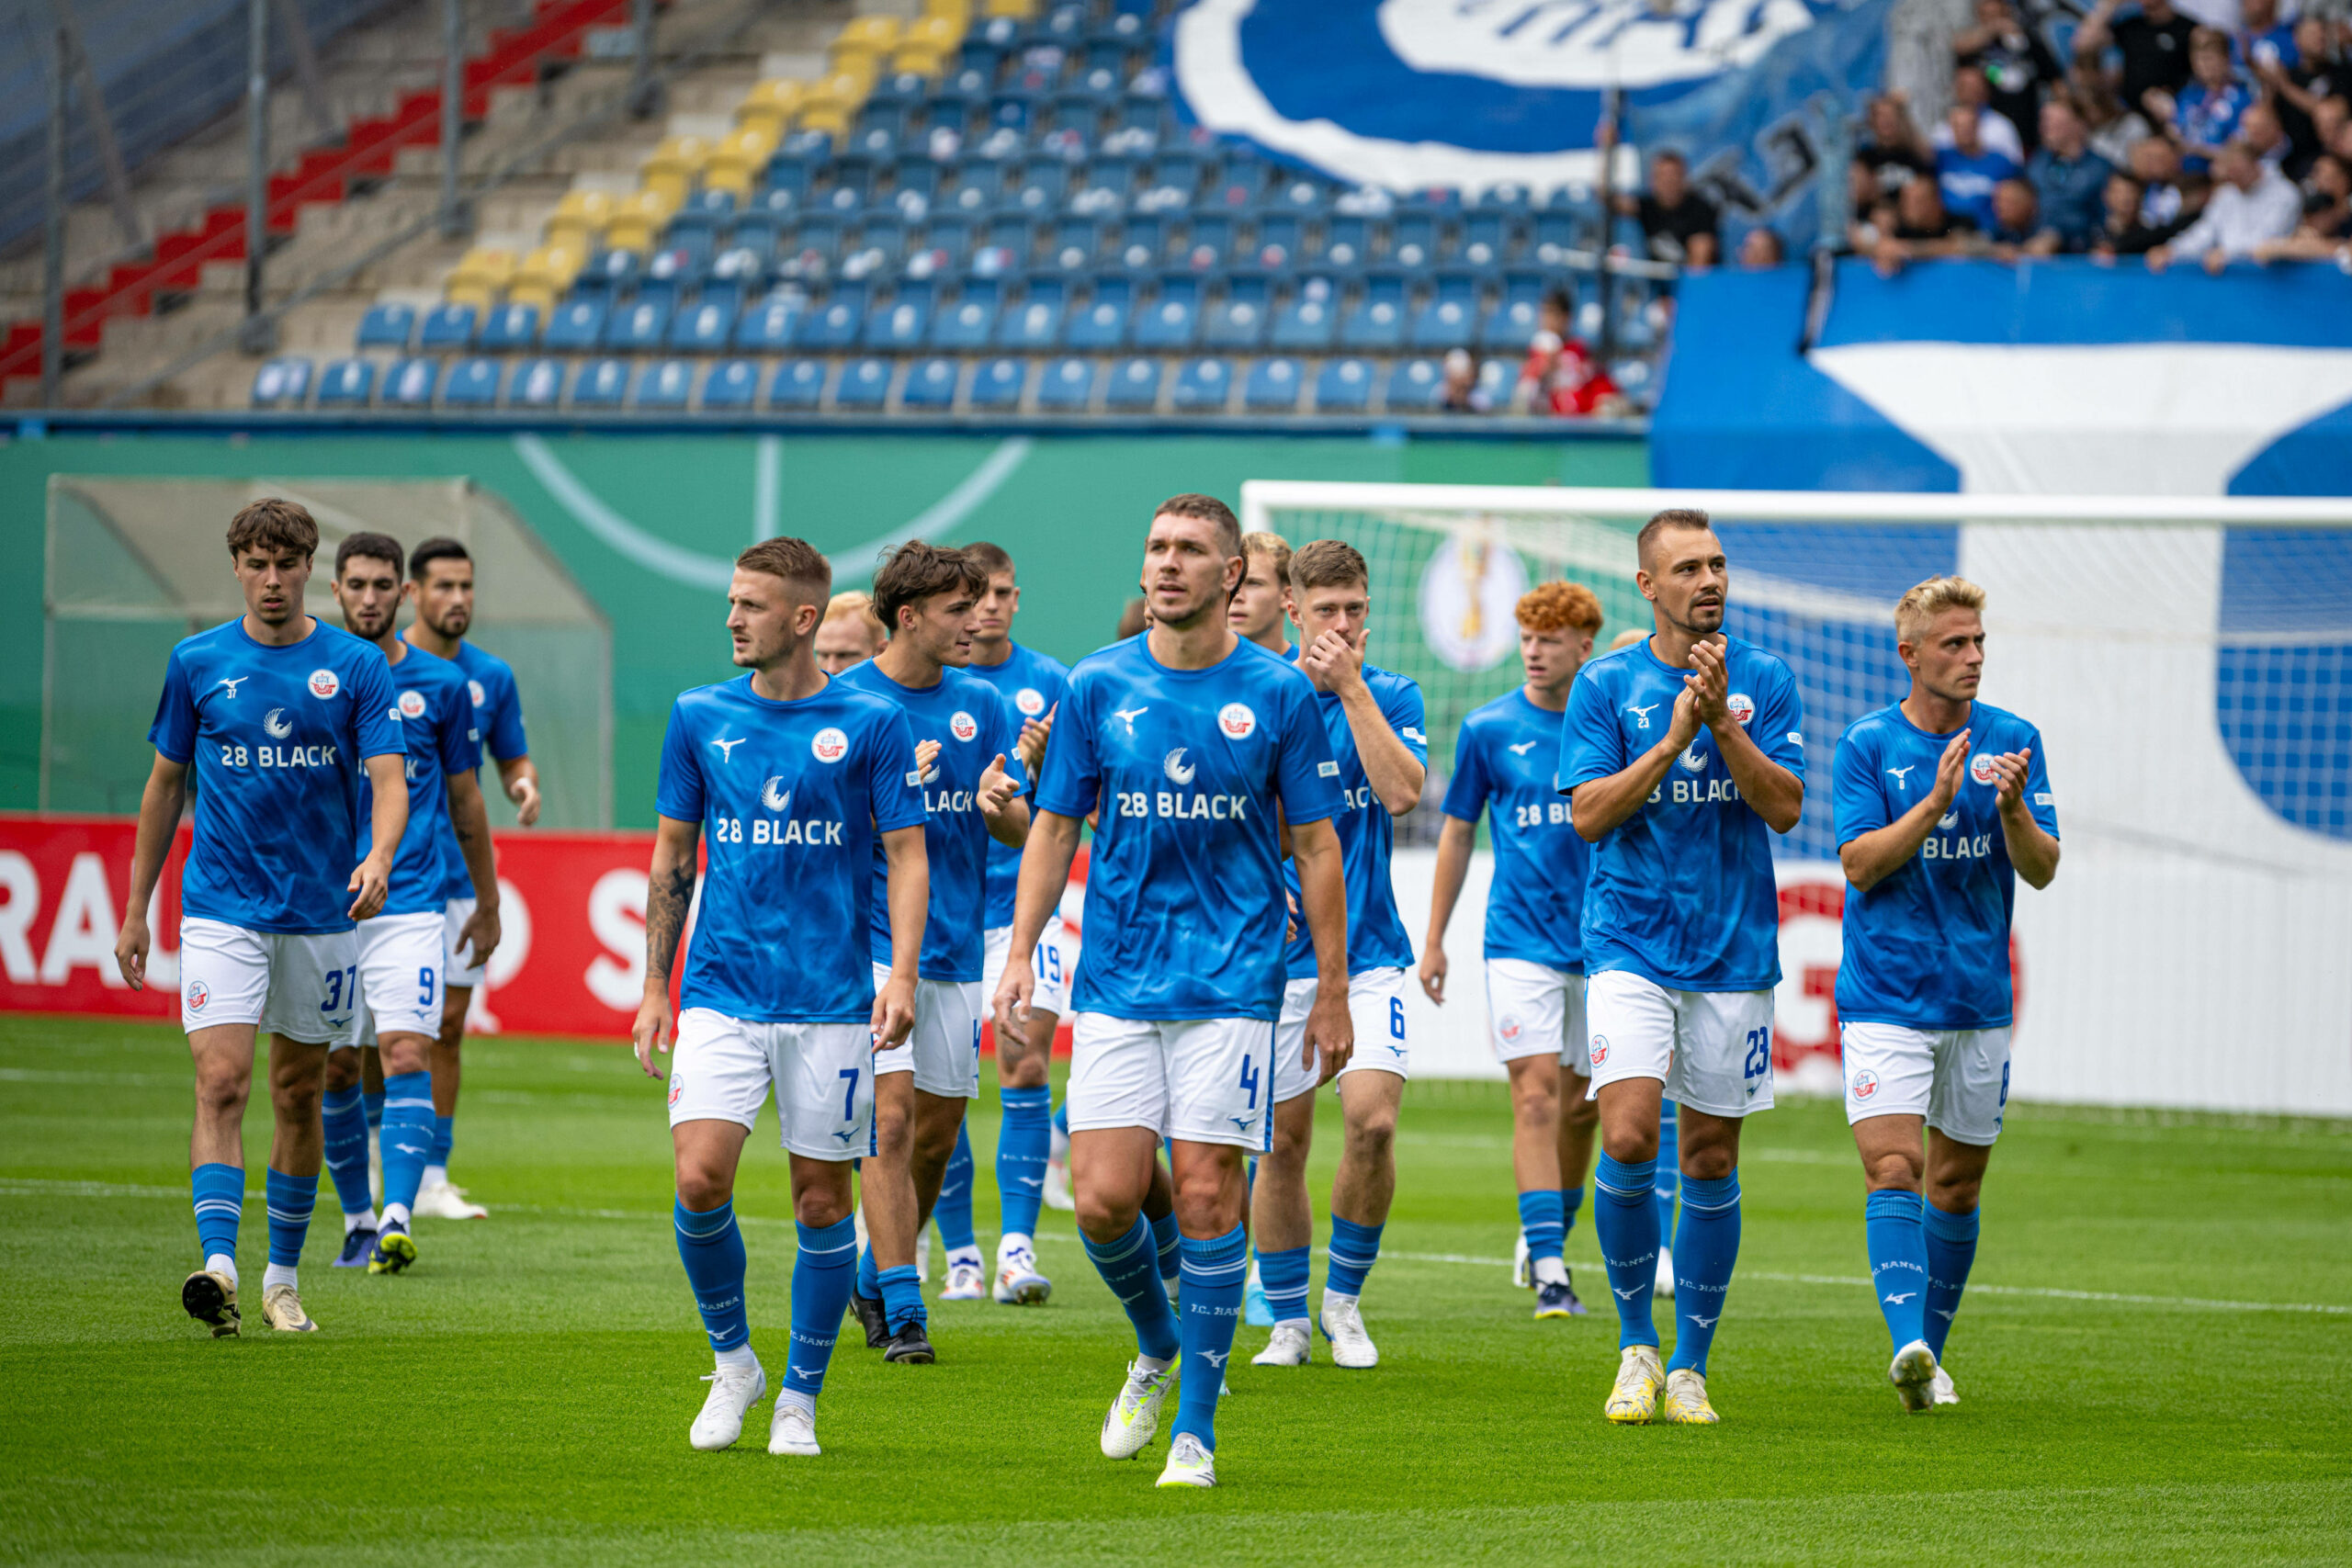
(358,1247)
(1057,1188)
(395,1250)
(1017,1283)
(282,1309)
(1686,1400)
(909,1345)
(1632,1400)
(1291,1345)
(1665,1273)
(1523,1266)
(733,1390)
(1256,1309)
(1343,1326)
(1134,1418)
(964,1283)
(443,1202)
(1944,1392)
(211,1299)
(1558,1300)
(1189,1464)
(867,1310)
(793,1430)
(1913,1376)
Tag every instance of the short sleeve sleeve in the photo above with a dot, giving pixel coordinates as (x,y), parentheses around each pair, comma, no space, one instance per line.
(1403,711)
(2039,800)
(1001,737)
(1591,746)
(1072,776)
(460,741)
(1306,776)
(896,793)
(1465,793)
(679,793)
(375,718)
(173,731)
(1778,728)
(503,733)
(1856,795)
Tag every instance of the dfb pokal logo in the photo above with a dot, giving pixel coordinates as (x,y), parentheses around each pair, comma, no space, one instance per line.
(828,745)
(323,684)
(1980,768)
(1236,720)
(411,705)
(1865,1084)
(963,726)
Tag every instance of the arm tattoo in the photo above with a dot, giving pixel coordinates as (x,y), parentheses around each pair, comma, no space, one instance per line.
(666,903)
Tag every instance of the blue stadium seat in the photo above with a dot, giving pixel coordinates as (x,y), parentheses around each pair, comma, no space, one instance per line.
(997,384)
(473,384)
(736,274)
(600,384)
(882,243)
(1171,321)
(665,384)
(1011,236)
(535,384)
(789,180)
(731,384)
(832,325)
(1511,324)
(705,328)
(1102,324)
(409,383)
(767,326)
(1414,386)
(966,325)
(1413,240)
(815,244)
(1377,324)
(772,212)
(930,386)
(1036,321)
(706,213)
(607,275)
(799,384)
(577,326)
(282,383)
(447,326)
(1142,242)
(864,385)
(1273,386)
(904,325)
(1238,320)
(1344,387)
(511,327)
(1301,193)
(1041,190)
(1203,386)
(845,198)
(387,326)
(1077,244)
(1209,242)
(1279,243)
(977,191)
(1311,321)
(1448,320)
(947,240)
(1106,191)
(346,383)
(671,275)
(1486,240)
(1067,387)
(1134,386)
(917,176)
(639,327)
(1346,245)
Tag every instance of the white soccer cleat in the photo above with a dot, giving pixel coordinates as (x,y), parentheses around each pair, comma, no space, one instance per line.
(1133,1419)
(1632,1400)
(1017,1283)
(1914,1374)
(1665,1273)
(1343,1326)
(1189,1464)
(1056,1191)
(1522,1270)
(793,1430)
(1686,1400)
(964,1283)
(443,1202)
(1291,1345)
(733,1390)
(1944,1392)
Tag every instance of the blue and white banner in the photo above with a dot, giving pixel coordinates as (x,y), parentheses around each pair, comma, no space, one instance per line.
(1466,95)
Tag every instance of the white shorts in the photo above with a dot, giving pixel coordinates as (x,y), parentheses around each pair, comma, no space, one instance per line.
(462,971)
(1957,1079)
(1712,1049)
(822,1072)
(1050,963)
(1376,1002)
(401,962)
(942,1049)
(1533,1010)
(303,987)
(1204,1080)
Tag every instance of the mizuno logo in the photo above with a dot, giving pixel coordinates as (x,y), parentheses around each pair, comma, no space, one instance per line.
(1179,771)
(1524,747)
(1242,1122)
(814,1374)
(234,681)
(1216,1358)
(276,722)
(1896,774)
(1628,1293)
(1131,715)
(1641,713)
(1942,1314)
(1706,1321)
(727,748)
(1898,1298)
(845,1137)
(1030,1180)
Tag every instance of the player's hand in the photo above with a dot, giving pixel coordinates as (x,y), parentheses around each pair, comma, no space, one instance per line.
(1332,664)
(1433,972)
(656,1028)
(524,793)
(1034,733)
(1011,1004)
(926,753)
(1951,768)
(479,936)
(894,1012)
(131,950)
(371,880)
(2009,778)
(996,789)
(1709,689)
(1330,1032)
(1682,728)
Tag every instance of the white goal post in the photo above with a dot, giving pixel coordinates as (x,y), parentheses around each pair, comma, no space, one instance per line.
(2189,660)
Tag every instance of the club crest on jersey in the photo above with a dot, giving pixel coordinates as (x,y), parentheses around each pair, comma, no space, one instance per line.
(962,725)
(1980,768)
(325,685)
(1236,720)
(771,797)
(411,705)
(1599,1049)
(480,695)
(199,994)
(1179,771)
(1865,1084)
(1742,706)
(828,745)
(1029,701)
(277,724)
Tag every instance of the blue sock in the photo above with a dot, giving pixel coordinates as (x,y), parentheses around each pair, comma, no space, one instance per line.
(290,1198)
(1705,1248)
(1214,1274)
(1130,1266)
(1061,1118)
(711,1248)
(1624,1219)
(407,1136)
(1951,1248)
(1540,1222)
(1023,1142)
(1669,1169)
(1898,1248)
(821,1281)
(1283,1276)
(1354,1249)
(953,1213)
(373,1099)
(901,1298)
(1571,1200)
(869,1280)
(444,1136)
(1163,1234)
(347,1151)
(219,1193)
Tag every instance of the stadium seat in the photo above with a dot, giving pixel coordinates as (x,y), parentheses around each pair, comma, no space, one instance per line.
(1346,245)
(1377,324)
(864,386)
(996,385)
(1279,245)
(1171,321)
(510,327)
(578,325)
(814,245)
(639,327)
(1511,324)
(1273,386)
(798,384)
(881,245)
(966,325)
(1106,191)
(387,326)
(472,384)
(1310,321)
(608,275)
(1344,387)
(1486,240)
(731,384)
(1040,191)
(447,326)
(1135,386)
(977,191)
(535,384)
(1449,320)
(1203,386)
(1077,244)
(1067,387)
(665,384)
(409,383)
(346,383)
(1102,324)
(949,242)
(930,386)
(1209,242)
(281,384)
(904,323)
(1238,320)
(600,384)
(767,326)
(833,325)
(706,328)
(1142,242)
(1036,322)
(1413,240)
(1414,386)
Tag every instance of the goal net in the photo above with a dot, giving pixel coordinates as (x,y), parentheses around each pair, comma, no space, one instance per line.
(2189,662)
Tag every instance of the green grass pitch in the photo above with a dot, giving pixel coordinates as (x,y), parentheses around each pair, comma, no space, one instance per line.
(2155,1360)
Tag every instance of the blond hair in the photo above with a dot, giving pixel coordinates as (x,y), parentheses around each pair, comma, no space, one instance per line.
(1918,608)
(1274,548)
(853,604)
(1558,606)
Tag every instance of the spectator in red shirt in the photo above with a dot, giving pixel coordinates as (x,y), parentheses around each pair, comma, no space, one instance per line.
(1560,375)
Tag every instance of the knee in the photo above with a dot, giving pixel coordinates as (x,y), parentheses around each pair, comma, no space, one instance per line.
(817,1207)
(701,1189)
(1286,1151)
(1579,1114)
(1374,1134)
(1024,1069)
(221,1092)
(1954,1195)
(1628,1145)
(1895,1171)
(343,1071)
(1712,1162)
(1103,1216)
(893,1132)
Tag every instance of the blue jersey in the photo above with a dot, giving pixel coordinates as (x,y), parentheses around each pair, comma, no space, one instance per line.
(1682,891)
(1928,947)
(437,722)
(973,726)
(1033,684)
(1376,938)
(498,730)
(1185,901)
(1504,757)
(278,736)
(791,797)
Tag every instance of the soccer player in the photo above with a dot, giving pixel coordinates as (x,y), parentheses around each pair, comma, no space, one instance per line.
(1681,756)
(1503,762)
(1373,724)
(443,574)
(1669,1173)
(1260,604)
(925,595)
(1033,684)
(797,781)
(282,718)
(849,634)
(1191,741)
(1942,802)
(402,947)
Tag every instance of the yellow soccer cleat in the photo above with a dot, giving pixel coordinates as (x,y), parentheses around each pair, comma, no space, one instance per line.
(395,1249)
(282,1309)
(1686,1400)
(1633,1401)
(211,1300)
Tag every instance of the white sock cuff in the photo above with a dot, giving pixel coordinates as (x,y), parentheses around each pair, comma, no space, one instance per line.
(800,1398)
(434,1174)
(1551,1272)
(1302,1325)
(220,1263)
(739,1357)
(277,1274)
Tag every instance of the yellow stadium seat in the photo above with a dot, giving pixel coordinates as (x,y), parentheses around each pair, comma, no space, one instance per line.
(922,60)
(544,275)
(637,221)
(956,11)
(827,117)
(731,177)
(532,292)
(937,33)
(1020,9)
(875,35)
(846,87)
(579,218)
(472,293)
(770,105)
(671,168)
(737,161)
(478,277)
